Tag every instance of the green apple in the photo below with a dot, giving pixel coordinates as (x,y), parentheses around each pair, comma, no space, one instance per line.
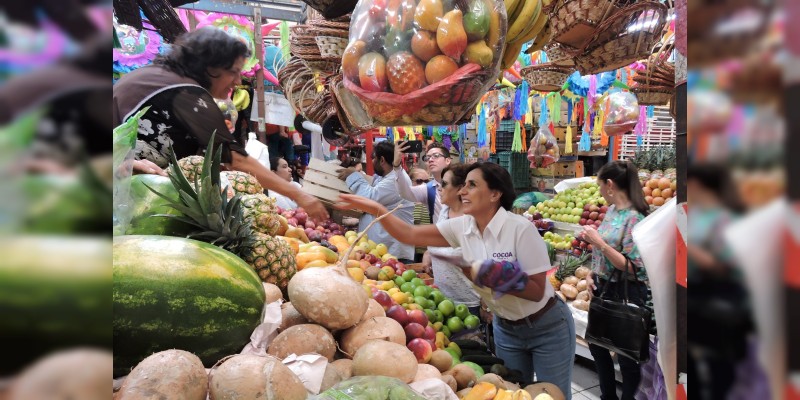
(472,322)
(418,282)
(462,311)
(423,291)
(431,316)
(437,296)
(407,287)
(421,301)
(545,215)
(454,354)
(399,281)
(447,307)
(439,316)
(532,210)
(409,274)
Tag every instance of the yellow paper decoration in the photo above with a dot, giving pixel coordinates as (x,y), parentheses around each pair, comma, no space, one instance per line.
(568,139)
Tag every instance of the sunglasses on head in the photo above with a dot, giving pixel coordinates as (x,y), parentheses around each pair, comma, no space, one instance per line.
(433,156)
(421,181)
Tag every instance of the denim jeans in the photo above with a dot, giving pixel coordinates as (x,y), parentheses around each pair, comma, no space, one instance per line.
(604,364)
(546,347)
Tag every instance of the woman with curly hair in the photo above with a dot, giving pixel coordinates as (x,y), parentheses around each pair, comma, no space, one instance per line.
(179,89)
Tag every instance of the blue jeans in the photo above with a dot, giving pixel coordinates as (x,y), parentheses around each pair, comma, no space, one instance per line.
(546,347)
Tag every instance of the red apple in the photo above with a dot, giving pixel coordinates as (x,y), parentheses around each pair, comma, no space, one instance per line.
(576,252)
(391,262)
(419,317)
(422,349)
(575,243)
(583,245)
(430,333)
(308,224)
(594,208)
(597,223)
(371,258)
(585,215)
(399,266)
(593,215)
(291,221)
(601,216)
(603,209)
(414,331)
(398,313)
(587,207)
(383,299)
(582,221)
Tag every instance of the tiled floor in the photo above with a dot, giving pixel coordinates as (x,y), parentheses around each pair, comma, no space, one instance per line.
(585,384)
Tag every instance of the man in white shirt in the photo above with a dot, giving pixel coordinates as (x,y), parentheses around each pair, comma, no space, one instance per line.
(437,157)
(383,190)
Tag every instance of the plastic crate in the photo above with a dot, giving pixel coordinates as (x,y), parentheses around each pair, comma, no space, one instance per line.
(518,166)
(504,140)
(493,158)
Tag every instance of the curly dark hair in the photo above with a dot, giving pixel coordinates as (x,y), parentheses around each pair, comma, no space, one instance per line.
(208,47)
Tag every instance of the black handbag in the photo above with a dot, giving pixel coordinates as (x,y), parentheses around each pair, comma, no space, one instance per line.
(618,324)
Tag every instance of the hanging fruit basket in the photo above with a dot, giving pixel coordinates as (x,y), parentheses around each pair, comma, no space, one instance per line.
(629,45)
(574,21)
(548,77)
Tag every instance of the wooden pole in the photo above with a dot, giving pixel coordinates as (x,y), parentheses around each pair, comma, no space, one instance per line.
(368,150)
(259,88)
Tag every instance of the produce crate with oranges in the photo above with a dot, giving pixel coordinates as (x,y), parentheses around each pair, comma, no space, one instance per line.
(423,63)
(657,173)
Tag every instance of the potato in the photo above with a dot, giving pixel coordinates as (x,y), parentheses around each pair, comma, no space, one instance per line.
(303,339)
(170,374)
(584,295)
(581,305)
(582,272)
(582,285)
(569,291)
(571,280)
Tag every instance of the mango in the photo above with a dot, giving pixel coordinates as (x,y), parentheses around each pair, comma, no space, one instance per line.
(356,273)
(317,264)
(303,259)
(297,233)
(330,256)
(293,243)
(350,58)
(450,36)
(353,264)
(476,21)
(479,53)
(429,14)
(284,225)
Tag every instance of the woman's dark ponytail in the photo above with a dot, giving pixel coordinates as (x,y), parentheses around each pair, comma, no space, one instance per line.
(626,176)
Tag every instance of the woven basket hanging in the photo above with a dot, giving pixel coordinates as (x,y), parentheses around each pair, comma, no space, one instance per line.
(164,18)
(331,9)
(127,13)
(546,77)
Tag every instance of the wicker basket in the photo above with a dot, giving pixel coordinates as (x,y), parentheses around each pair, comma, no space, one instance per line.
(332,8)
(330,46)
(546,77)
(574,21)
(442,103)
(650,97)
(608,54)
(560,54)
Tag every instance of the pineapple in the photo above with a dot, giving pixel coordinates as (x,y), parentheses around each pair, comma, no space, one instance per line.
(555,282)
(567,268)
(192,167)
(221,221)
(262,214)
(272,259)
(244,183)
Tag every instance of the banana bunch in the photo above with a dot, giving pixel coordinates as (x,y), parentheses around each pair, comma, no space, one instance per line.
(241,99)
(526,22)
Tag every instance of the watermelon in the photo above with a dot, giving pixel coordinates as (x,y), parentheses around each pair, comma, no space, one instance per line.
(177,293)
(147,205)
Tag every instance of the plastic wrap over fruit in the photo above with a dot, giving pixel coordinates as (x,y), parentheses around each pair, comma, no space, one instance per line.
(621,110)
(229,112)
(709,111)
(424,62)
(369,388)
(543,150)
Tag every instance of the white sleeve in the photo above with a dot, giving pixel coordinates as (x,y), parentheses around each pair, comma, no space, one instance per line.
(417,194)
(452,229)
(532,251)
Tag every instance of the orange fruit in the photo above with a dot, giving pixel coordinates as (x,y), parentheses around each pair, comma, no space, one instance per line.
(666,193)
(647,191)
(656,193)
(439,68)
(423,45)
(658,201)
(653,183)
(673,185)
(664,183)
(350,58)
(648,199)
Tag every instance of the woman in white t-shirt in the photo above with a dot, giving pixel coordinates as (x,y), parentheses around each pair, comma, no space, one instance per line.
(282,169)
(533,330)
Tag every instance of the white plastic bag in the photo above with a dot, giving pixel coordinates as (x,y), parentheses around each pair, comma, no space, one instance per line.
(257,150)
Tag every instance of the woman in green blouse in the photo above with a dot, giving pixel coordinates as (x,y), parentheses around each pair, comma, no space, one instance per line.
(612,241)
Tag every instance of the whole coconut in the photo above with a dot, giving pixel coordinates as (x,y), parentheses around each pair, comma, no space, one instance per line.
(170,374)
(71,374)
(328,296)
(303,339)
(246,376)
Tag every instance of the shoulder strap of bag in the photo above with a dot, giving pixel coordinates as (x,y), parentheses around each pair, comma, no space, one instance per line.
(431,199)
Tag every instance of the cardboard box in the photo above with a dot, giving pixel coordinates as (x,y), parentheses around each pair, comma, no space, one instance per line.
(562,169)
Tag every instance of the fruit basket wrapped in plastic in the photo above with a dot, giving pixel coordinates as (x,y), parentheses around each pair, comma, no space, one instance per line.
(622,113)
(229,111)
(426,62)
(543,150)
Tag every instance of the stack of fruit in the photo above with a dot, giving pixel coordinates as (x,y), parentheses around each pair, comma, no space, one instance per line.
(527,21)
(569,281)
(581,205)
(580,246)
(559,242)
(316,232)
(657,173)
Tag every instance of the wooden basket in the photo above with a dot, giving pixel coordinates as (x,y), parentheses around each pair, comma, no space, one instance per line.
(546,77)
(607,54)
(574,21)
(560,54)
(442,103)
(650,97)
(330,46)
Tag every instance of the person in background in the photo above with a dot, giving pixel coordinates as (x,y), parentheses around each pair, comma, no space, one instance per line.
(383,190)
(179,89)
(612,242)
(446,275)
(720,302)
(533,329)
(283,170)
(419,177)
